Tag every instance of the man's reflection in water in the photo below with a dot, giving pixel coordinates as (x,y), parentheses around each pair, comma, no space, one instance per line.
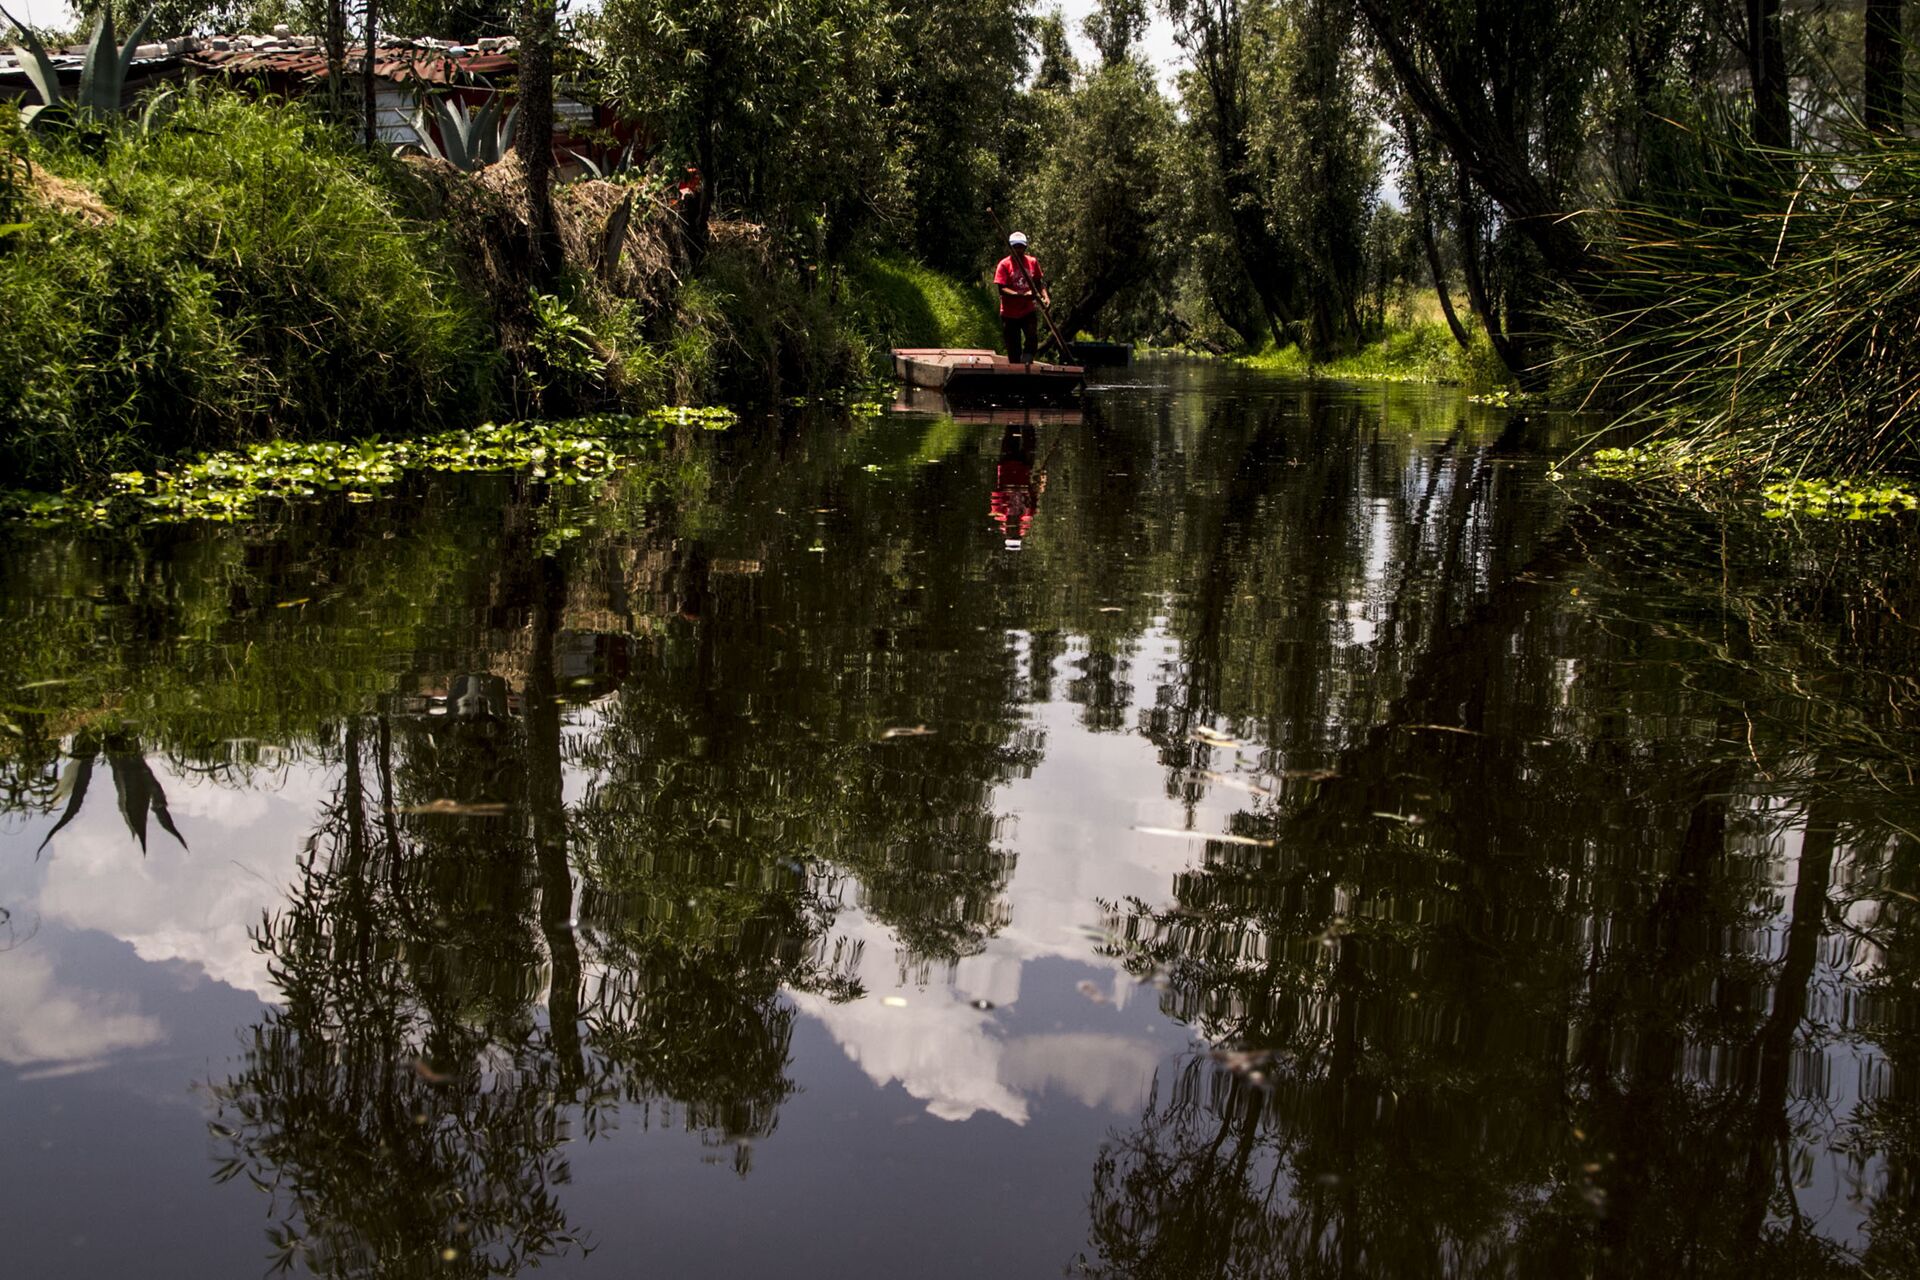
(1016,487)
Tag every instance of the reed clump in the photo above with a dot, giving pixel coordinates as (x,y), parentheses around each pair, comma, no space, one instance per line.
(1771,316)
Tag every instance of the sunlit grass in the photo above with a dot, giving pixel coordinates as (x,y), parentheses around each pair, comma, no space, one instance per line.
(1419,351)
(901,303)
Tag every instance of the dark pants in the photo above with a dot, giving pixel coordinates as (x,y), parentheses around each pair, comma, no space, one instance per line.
(1025,331)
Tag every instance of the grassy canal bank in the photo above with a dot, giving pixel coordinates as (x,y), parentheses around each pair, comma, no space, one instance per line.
(237,271)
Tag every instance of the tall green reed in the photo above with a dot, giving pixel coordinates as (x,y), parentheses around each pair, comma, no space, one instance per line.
(1765,313)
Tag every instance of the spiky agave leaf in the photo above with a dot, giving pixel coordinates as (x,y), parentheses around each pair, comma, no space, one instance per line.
(74,784)
(422,127)
(124,59)
(38,65)
(480,131)
(96,66)
(506,138)
(140,793)
(103,76)
(454,134)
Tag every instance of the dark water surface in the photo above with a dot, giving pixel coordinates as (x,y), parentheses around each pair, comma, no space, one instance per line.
(1327,845)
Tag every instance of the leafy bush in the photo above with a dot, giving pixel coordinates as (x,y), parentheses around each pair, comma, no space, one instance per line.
(244,272)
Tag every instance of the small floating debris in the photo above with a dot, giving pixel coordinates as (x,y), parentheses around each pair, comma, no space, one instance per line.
(1091,990)
(907,731)
(425,1070)
(1411,819)
(466,808)
(894,1002)
(1236,784)
(1214,738)
(1441,728)
(981,1005)
(1180,834)
(1245,1062)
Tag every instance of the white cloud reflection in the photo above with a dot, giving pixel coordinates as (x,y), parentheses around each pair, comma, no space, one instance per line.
(44,1022)
(192,904)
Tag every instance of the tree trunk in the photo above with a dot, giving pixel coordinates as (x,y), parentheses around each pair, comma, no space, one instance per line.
(1423,216)
(335,38)
(699,214)
(1767,70)
(1885,88)
(535,137)
(1214,40)
(367,72)
(1477,292)
(1768,1073)
(547,809)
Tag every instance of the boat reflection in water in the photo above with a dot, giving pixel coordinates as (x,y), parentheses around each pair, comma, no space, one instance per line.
(922,400)
(1017,486)
(1017,481)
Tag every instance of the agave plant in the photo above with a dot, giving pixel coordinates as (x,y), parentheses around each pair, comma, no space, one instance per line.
(468,140)
(103,76)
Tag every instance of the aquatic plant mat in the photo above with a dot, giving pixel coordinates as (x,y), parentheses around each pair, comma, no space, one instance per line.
(230,485)
(1709,477)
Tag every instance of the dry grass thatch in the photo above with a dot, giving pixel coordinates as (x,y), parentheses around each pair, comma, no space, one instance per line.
(64,196)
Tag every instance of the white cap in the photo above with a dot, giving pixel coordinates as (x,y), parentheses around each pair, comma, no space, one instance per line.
(1018,237)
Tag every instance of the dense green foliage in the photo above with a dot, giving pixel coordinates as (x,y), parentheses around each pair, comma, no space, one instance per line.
(1773,324)
(195,302)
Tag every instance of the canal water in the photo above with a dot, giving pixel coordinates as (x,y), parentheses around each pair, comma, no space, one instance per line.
(1250,828)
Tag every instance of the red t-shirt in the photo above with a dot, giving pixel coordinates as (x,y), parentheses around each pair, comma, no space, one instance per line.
(1009,275)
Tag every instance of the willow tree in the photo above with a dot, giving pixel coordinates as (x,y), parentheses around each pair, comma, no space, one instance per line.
(1093,191)
(1214,34)
(776,103)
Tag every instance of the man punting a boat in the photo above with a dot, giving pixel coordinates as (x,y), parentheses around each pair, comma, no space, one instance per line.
(1020,281)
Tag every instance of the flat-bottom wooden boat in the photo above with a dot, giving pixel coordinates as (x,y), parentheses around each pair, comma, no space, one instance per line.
(968,376)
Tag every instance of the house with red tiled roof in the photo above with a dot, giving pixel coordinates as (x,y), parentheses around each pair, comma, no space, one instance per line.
(405,69)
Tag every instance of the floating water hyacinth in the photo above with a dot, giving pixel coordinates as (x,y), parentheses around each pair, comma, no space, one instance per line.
(1838,499)
(229,485)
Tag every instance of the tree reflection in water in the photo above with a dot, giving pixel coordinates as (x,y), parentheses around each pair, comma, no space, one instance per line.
(1574,937)
(1550,976)
(476,967)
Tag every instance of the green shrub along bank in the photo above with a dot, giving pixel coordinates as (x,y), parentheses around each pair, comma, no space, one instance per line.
(234,272)
(896,302)
(238,271)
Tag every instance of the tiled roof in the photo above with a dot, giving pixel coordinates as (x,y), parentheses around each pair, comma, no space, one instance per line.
(305,57)
(434,61)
